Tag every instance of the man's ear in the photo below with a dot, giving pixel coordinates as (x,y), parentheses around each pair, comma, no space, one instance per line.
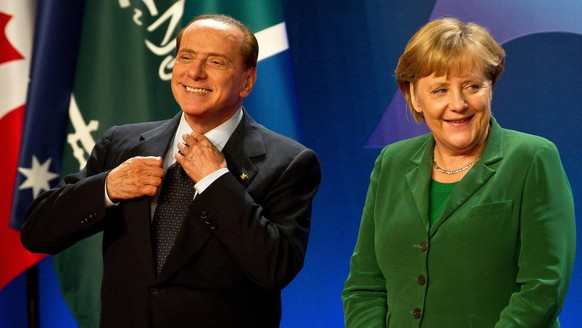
(250,80)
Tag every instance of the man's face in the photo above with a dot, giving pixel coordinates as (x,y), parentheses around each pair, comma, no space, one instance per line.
(209,80)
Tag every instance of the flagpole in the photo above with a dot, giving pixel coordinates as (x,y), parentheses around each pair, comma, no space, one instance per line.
(32,296)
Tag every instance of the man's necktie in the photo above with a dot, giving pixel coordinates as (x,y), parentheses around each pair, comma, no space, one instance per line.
(175,198)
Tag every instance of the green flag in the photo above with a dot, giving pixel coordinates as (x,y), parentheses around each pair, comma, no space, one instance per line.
(123,70)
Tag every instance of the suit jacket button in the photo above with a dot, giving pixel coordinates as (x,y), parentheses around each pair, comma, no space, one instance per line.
(421,280)
(423,246)
(416,313)
(154,291)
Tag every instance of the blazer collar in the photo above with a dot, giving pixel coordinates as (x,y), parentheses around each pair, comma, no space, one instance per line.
(245,144)
(156,141)
(493,151)
(418,178)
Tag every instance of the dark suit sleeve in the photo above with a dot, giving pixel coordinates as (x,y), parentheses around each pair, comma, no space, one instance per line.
(75,209)
(266,238)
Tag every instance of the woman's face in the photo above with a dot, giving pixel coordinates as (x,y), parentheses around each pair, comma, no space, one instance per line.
(456,108)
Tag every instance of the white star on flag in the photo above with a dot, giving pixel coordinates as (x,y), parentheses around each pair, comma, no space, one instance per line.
(37,177)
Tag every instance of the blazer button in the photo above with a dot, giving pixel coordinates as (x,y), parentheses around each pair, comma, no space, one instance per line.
(154,291)
(416,313)
(421,280)
(423,246)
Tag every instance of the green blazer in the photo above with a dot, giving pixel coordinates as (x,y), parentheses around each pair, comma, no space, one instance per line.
(501,254)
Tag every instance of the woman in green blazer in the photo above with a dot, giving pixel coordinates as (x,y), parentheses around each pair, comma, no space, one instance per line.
(471,225)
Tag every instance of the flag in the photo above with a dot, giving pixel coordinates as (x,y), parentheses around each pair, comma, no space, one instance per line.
(124,65)
(16,38)
(30,137)
(273,101)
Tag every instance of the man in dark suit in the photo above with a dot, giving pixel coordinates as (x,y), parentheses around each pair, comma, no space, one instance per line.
(244,234)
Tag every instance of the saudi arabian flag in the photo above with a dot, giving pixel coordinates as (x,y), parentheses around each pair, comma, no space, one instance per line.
(272,102)
(123,70)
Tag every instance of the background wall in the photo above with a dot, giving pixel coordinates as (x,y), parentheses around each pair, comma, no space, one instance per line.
(343,54)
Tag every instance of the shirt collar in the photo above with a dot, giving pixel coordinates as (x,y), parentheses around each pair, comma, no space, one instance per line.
(218,136)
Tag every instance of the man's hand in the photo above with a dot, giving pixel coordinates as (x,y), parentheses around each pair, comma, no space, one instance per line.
(198,156)
(136,177)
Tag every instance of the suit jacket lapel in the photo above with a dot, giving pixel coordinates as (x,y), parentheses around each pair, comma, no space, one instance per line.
(418,179)
(137,211)
(245,143)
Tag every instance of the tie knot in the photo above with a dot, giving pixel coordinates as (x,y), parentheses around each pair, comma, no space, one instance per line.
(175,168)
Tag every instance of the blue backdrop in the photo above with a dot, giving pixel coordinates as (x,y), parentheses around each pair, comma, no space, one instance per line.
(344,53)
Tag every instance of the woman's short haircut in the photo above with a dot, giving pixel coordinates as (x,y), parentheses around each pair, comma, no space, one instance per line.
(448,46)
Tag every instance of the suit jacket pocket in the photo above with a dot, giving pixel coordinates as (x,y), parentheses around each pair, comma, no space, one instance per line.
(492,209)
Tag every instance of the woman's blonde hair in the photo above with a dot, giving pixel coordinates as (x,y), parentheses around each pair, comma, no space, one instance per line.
(448,46)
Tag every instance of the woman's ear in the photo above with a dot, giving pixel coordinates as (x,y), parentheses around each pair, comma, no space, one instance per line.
(414,99)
